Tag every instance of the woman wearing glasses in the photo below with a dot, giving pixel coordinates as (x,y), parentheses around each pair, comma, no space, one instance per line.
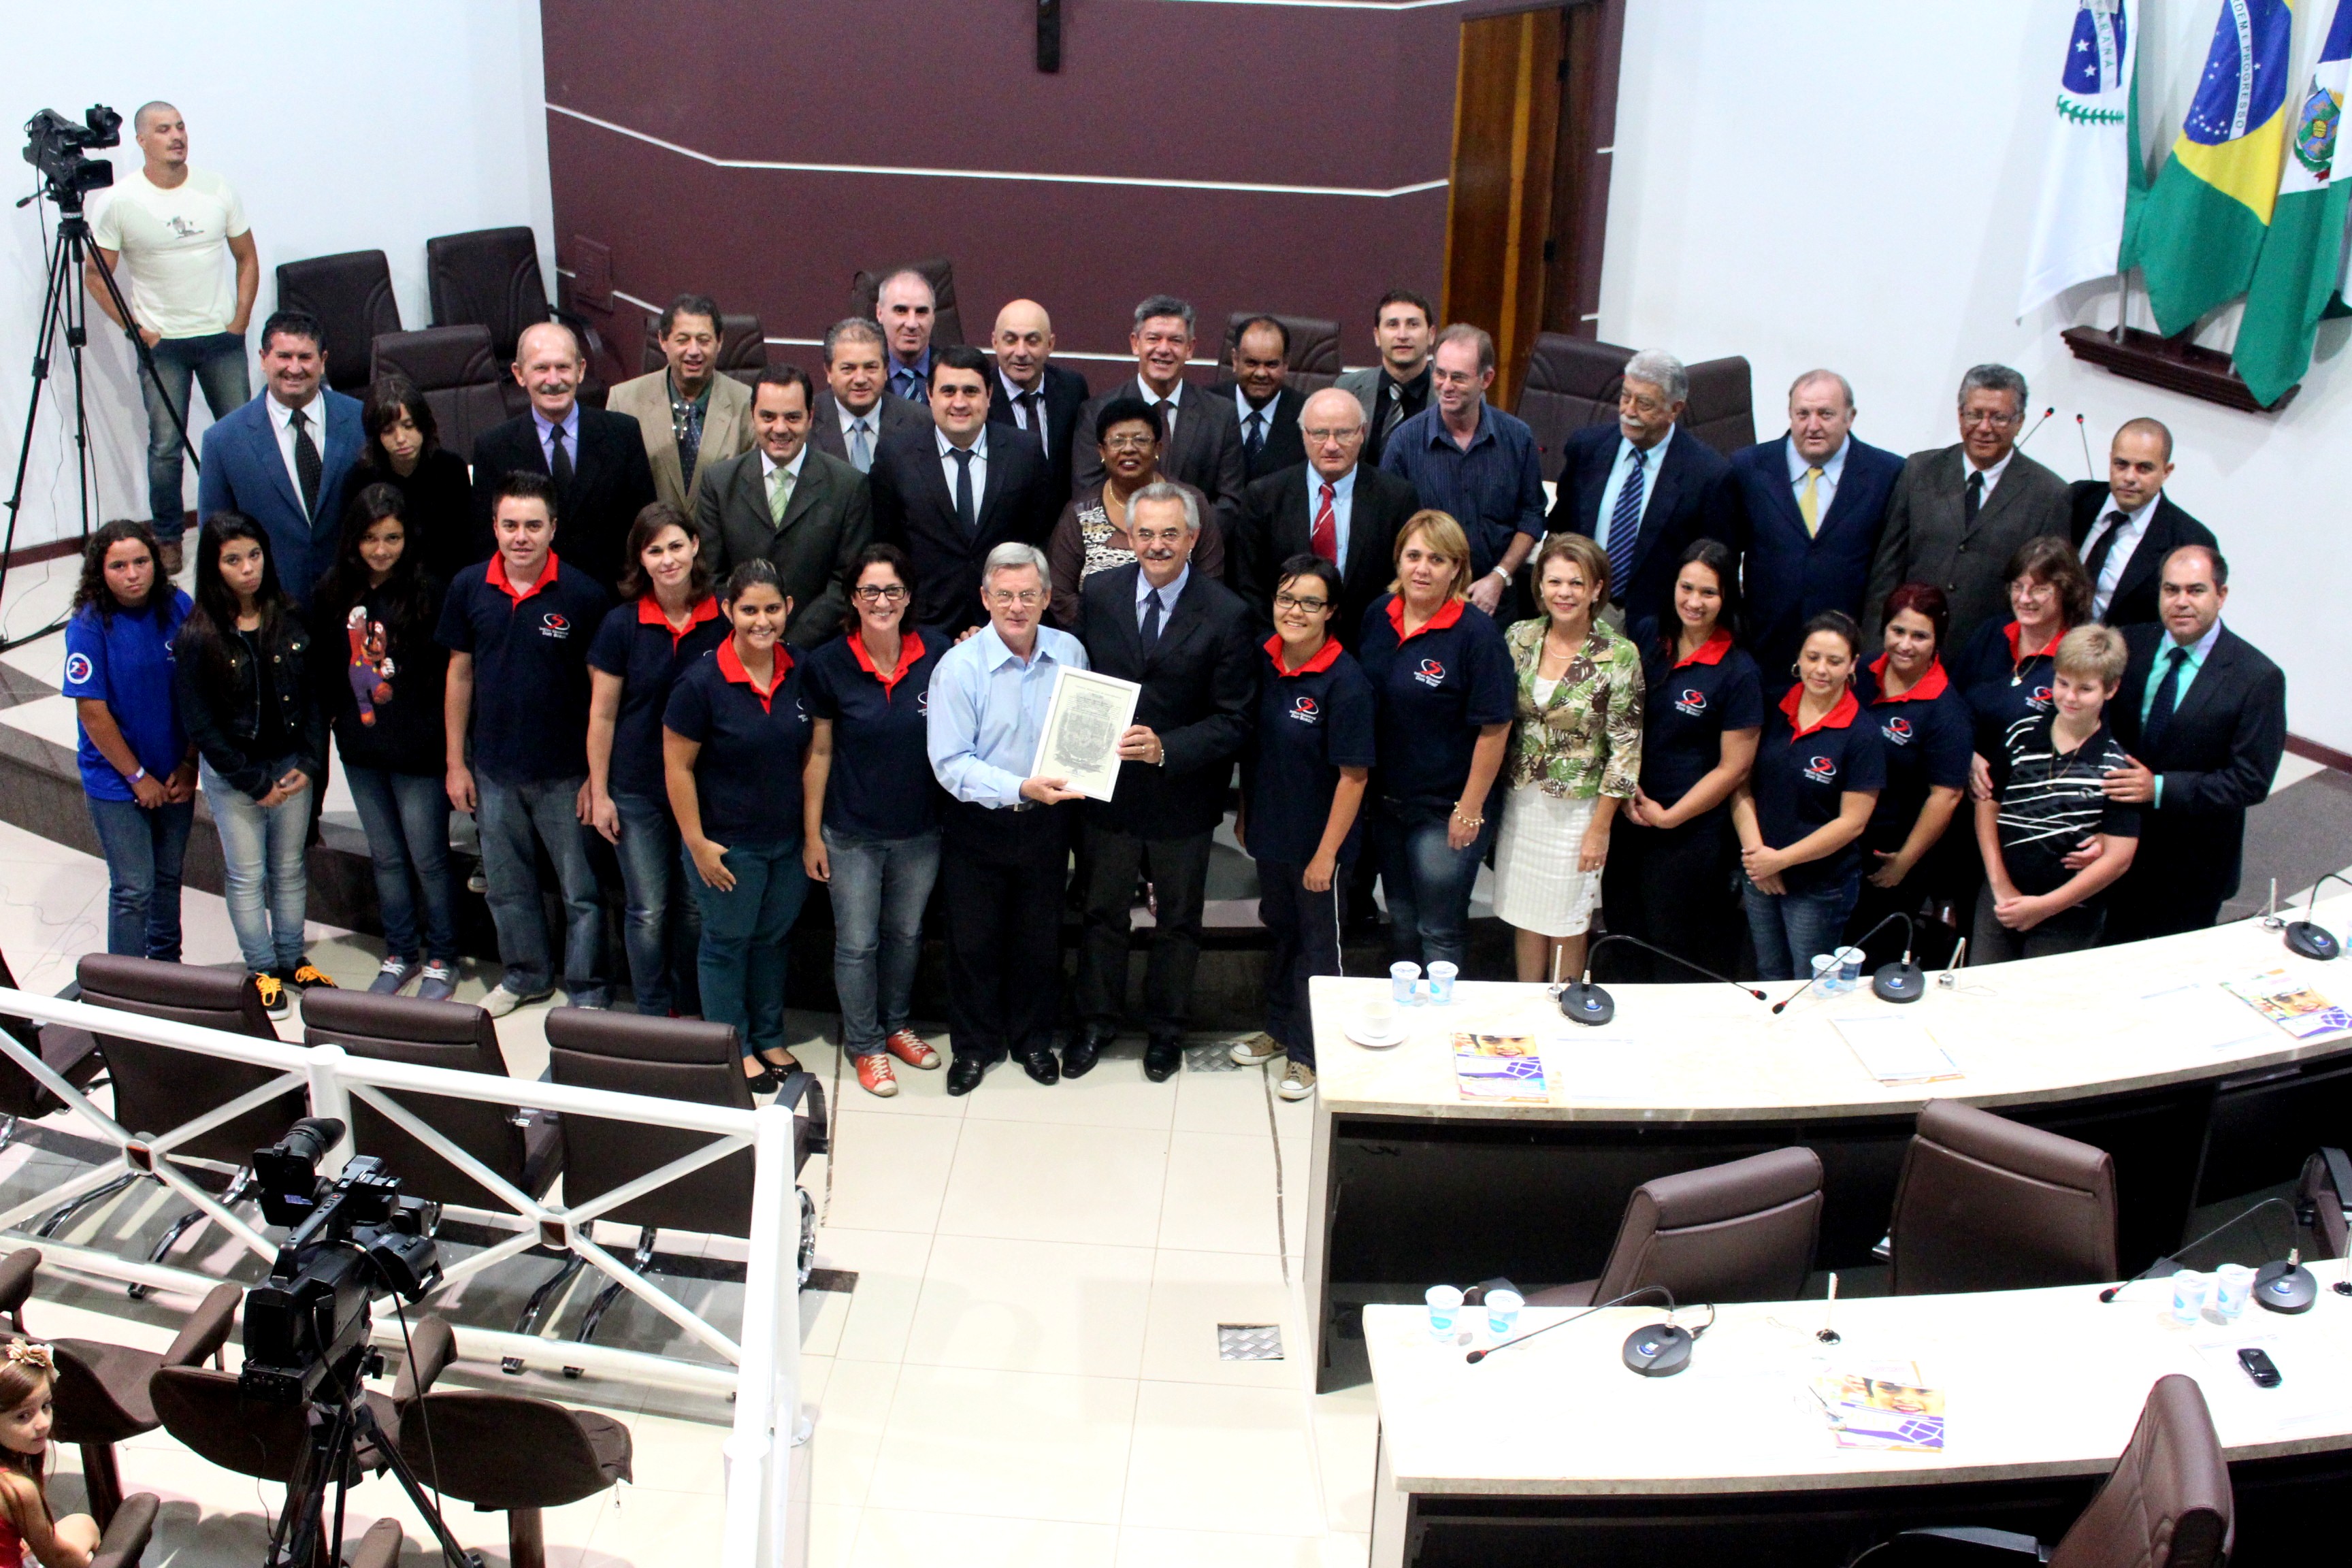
(1092,535)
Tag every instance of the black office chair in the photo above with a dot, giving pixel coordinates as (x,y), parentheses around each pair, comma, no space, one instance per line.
(2323,1202)
(1738,1232)
(947,320)
(490,278)
(350,295)
(461,378)
(743,347)
(1313,357)
(1988,1204)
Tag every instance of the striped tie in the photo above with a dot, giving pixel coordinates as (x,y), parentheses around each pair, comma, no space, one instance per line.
(1625,520)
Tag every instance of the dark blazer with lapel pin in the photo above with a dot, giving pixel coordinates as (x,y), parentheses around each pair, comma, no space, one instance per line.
(1284,444)
(245,470)
(914,509)
(611,483)
(1065,394)
(824,422)
(1278,522)
(1200,683)
(2134,603)
(1685,500)
(2216,757)
(827,524)
(1787,577)
(1928,537)
(1205,452)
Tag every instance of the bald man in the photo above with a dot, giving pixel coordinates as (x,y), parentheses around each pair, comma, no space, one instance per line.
(1333,505)
(1034,393)
(2124,526)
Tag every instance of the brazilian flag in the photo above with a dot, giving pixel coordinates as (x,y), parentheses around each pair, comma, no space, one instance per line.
(2201,225)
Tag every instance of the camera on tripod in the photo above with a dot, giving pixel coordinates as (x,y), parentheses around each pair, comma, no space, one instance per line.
(60,149)
(348,1236)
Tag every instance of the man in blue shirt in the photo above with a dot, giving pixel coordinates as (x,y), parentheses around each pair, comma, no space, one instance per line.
(1474,463)
(1005,844)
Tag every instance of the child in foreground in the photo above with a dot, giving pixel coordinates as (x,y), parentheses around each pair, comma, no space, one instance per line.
(28,1409)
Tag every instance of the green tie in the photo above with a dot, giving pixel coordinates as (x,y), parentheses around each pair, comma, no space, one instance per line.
(780,494)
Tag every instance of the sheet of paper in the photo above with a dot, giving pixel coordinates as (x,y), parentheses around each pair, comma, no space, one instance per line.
(1895,1049)
(1586,1065)
(2314,1384)
(2204,1016)
(1084,717)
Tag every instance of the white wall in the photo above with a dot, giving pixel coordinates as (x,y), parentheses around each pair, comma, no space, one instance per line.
(1851,182)
(343,127)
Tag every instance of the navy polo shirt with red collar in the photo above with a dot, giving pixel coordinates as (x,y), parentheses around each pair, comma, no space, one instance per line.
(637,643)
(2002,682)
(1687,705)
(1928,735)
(1803,775)
(881,786)
(746,776)
(529,649)
(1431,693)
(1311,722)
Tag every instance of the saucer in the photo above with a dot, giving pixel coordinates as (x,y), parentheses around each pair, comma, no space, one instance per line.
(1359,1034)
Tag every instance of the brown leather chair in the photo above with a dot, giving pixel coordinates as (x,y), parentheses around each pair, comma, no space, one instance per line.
(72,1054)
(1722,407)
(2323,1202)
(502,1452)
(1314,356)
(490,278)
(523,1148)
(458,372)
(351,294)
(1988,1204)
(743,347)
(947,322)
(1571,382)
(124,1540)
(1738,1232)
(206,1412)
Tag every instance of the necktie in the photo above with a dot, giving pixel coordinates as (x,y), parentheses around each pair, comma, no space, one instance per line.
(1809,502)
(2102,548)
(1972,500)
(559,461)
(910,385)
(1255,439)
(1167,425)
(861,449)
(1391,408)
(1325,537)
(2159,711)
(780,494)
(1033,421)
(306,461)
(967,512)
(1151,620)
(1625,518)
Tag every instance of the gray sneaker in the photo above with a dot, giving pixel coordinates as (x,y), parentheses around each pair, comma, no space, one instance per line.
(439,983)
(1298,1080)
(1254,1051)
(503,999)
(393,974)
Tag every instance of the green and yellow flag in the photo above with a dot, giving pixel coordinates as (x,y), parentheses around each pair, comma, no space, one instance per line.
(2296,274)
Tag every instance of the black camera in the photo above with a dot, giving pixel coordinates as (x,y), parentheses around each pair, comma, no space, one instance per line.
(60,149)
(349,1237)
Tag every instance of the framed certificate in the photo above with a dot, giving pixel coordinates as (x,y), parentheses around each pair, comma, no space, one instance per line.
(1084,717)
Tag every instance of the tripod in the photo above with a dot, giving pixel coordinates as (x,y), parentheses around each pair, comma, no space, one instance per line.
(337,1423)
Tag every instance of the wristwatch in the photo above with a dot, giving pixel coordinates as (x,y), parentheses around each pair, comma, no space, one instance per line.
(1504,573)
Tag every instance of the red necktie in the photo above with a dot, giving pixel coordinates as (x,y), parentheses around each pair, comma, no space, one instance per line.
(1325,536)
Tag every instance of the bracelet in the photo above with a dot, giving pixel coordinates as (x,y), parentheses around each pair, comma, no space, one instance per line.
(1502,573)
(135,774)
(1470,822)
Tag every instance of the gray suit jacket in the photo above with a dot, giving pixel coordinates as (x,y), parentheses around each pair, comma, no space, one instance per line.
(726,430)
(1206,452)
(1925,538)
(824,426)
(827,524)
(1365,384)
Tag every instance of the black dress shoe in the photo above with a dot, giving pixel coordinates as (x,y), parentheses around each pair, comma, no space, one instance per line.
(1041,1066)
(964,1074)
(1078,1057)
(1161,1059)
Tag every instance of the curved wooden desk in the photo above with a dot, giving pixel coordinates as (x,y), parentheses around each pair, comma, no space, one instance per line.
(2134,1049)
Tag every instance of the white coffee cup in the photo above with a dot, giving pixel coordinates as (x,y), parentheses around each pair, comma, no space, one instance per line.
(1378,1018)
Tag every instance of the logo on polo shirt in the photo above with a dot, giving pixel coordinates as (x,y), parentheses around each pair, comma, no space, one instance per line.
(2041,697)
(78,668)
(1304,710)
(923,703)
(1431,673)
(1693,702)
(552,625)
(1821,770)
(1900,732)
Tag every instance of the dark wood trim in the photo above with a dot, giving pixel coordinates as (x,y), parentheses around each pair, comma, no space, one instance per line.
(54,550)
(2327,756)
(1601,131)
(2175,365)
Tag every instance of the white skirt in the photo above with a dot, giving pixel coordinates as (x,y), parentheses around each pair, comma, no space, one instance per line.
(1536,885)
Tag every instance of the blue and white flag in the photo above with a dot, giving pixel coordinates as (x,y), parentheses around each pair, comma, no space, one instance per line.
(2093,167)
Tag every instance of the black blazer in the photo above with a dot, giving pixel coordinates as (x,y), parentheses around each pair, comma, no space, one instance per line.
(896,414)
(1066,395)
(828,522)
(1687,501)
(2135,601)
(611,483)
(1278,522)
(914,509)
(1199,687)
(1284,444)
(1206,452)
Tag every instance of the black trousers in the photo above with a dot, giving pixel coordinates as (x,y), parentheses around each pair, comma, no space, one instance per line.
(1000,873)
(1178,869)
(1306,930)
(1674,887)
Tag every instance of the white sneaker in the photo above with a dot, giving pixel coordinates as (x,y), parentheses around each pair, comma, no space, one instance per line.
(1298,1080)
(1256,1051)
(501,1000)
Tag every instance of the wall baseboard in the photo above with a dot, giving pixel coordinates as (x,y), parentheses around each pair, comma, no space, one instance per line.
(2327,756)
(55,550)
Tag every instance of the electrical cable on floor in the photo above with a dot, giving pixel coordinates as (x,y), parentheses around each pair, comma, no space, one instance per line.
(1281,1224)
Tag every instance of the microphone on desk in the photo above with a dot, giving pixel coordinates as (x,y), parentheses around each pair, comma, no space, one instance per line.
(1665,1349)
(1582,1001)
(2038,423)
(1898,982)
(2167,1266)
(2307,938)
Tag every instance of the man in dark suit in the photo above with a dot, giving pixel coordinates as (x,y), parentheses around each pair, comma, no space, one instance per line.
(853,412)
(810,514)
(1958,513)
(1641,490)
(2202,714)
(1034,394)
(282,459)
(2124,529)
(950,492)
(596,459)
(1202,443)
(1335,505)
(1266,409)
(1186,639)
(1805,514)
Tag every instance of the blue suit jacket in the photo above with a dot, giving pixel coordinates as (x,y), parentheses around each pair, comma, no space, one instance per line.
(1789,578)
(243,472)
(1687,501)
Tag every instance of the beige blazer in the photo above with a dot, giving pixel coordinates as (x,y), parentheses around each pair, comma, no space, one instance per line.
(726,430)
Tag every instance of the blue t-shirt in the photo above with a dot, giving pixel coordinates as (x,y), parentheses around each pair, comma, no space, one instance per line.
(1802,776)
(1686,707)
(881,785)
(125,661)
(1927,735)
(1311,722)
(1433,692)
(531,667)
(635,643)
(748,774)
(2002,683)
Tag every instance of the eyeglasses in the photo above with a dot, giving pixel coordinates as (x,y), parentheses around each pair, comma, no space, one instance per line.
(1130,443)
(1988,416)
(1352,433)
(887,594)
(1293,602)
(1025,597)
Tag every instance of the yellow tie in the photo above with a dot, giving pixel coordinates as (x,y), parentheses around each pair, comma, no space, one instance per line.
(1809,503)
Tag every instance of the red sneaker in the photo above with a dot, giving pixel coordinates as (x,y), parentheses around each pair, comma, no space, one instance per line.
(875,1076)
(911,1048)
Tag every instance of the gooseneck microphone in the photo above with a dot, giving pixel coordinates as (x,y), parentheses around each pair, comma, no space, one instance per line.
(1582,1001)
(2307,938)
(1474,1357)
(1898,982)
(2046,413)
(2170,1264)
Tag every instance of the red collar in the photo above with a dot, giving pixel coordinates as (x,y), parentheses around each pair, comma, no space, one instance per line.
(498,577)
(1324,656)
(1840,714)
(1928,687)
(911,648)
(1447,613)
(1708,652)
(650,614)
(731,667)
(2016,656)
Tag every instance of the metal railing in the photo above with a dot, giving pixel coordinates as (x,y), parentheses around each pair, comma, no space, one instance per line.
(765,1523)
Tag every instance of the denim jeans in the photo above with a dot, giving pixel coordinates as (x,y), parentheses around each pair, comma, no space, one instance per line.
(217,362)
(266,879)
(743,934)
(1427,886)
(406,817)
(144,850)
(1789,928)
(515,821)
(879,889)
(661,925)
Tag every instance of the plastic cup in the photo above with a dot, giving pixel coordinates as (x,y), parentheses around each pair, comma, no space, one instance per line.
(1826,973)
(1441,983)
(1444,1306)
(1848,967)
(1503,1311)
(1404,984)
(2233,1287)
(2190,1291)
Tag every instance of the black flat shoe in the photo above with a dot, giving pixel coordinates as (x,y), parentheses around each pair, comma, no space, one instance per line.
(1042,1066)
(763,1081)
(1162,1059)
(964,1074)
(1078,1057)
(791,1063)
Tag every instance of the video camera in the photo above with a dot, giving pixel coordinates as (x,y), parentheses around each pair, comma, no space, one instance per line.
(58,149)
(349,1237)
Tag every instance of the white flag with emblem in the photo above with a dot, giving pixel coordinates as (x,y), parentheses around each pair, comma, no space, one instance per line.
(2094,165)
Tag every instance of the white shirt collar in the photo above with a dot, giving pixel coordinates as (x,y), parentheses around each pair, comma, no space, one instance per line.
(768,464)
(979,443)
(2133,520)
(1168,596)
(1174,399)
(1013,389)
(1992,475)
(314,411)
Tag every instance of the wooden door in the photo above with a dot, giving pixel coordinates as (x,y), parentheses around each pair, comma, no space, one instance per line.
(1498,213)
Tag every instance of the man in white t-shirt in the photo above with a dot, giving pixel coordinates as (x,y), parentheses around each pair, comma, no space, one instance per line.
(164,231)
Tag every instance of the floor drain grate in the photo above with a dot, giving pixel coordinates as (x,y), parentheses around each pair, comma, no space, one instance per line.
(1249,1341)
(1209,1058)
